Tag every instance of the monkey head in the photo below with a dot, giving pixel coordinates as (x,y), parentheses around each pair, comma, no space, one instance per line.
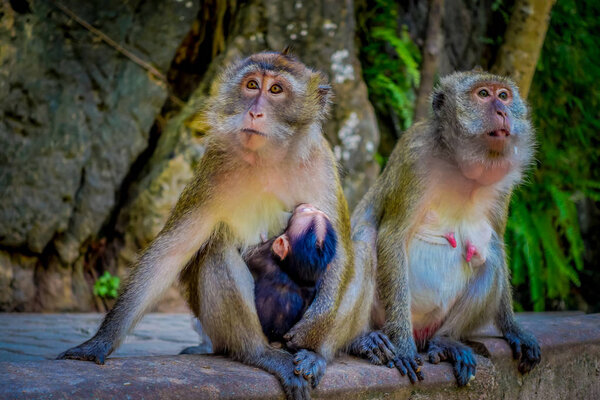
(308,244)
(267,102)
(483,123)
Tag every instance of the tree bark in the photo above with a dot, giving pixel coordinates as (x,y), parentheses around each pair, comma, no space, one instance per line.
(523,42)
(431,51)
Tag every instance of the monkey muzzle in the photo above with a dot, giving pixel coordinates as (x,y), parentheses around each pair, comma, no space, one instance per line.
(497,139)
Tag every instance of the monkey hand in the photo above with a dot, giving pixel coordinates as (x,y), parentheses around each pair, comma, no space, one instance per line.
(408,361)
(92,350)
(310,366)
(525,348)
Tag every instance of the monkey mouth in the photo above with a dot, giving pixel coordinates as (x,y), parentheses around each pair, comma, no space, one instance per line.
(253,131)
(496,141)
(499,133)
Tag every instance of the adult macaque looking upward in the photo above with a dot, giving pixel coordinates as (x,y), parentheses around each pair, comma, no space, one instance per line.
(265,154)
(437,216)
(287,269)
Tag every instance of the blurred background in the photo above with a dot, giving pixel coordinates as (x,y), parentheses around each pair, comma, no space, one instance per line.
(96,99)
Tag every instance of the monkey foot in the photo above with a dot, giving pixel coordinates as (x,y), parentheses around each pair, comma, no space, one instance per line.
(410,364)
(451,239)
(460,356)
(525,349)
(310,365)
(375,347)
(204,348)
(92,350)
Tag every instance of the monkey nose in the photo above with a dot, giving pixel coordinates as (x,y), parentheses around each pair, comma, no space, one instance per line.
(255,114)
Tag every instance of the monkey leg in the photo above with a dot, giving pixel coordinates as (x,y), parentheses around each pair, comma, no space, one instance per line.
(442,348)
(376,347)
(225,289)
(524,345)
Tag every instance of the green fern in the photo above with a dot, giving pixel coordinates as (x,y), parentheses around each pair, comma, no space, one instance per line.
(543,235)
(390,62)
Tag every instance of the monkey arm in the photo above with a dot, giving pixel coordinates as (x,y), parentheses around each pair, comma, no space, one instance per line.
(524,345)
(334,317)
(153,274)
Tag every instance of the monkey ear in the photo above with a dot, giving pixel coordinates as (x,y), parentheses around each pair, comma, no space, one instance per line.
(287,50)
(437,101)
(324,93)
(281,246)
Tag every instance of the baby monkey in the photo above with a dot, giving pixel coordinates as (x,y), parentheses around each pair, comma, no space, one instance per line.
(287,269)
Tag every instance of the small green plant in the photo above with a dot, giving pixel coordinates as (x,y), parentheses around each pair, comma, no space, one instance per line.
(107,286)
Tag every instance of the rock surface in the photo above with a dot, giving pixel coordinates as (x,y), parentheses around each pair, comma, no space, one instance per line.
(570,368)
(96,150)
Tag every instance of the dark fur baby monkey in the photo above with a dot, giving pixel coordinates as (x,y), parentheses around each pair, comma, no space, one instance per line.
(287,269)
(431,228)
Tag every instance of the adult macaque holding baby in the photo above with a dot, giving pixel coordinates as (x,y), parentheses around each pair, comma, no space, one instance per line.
(265,154)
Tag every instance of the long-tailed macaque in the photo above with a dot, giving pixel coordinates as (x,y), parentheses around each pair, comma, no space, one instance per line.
(287,270)
(265,153)
(433,226)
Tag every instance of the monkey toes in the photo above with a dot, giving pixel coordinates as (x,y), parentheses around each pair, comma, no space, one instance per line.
(88,351)
(310,366)
(375,347)
(460,356)
(525,349)
(410,365)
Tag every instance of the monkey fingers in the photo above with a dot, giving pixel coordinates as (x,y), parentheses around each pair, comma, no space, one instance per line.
(410,366)
(310,365)
(375,347)
(460,356)
(436,353)
(525,349)
(92,350)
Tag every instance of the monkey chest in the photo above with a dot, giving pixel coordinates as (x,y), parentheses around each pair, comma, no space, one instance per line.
(442,256)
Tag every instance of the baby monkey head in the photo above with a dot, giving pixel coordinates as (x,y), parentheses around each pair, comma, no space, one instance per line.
(483,120)
(267,102)
(308,244)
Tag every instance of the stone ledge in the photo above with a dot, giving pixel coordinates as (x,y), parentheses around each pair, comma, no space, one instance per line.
(570,368)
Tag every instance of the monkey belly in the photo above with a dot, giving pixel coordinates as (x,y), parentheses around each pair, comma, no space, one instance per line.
(438,275)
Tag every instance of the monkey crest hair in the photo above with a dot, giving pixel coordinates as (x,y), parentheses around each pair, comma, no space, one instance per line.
(305,262)
(461,127)
(297,119)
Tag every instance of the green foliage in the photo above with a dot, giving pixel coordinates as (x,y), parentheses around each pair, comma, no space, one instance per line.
(107,286)
(390,62)
(543,235)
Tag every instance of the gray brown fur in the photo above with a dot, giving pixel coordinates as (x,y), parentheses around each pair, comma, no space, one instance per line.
(388,218)
(229,204)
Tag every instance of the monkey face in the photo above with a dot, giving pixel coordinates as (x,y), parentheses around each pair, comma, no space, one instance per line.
(484,121)
(267,102)
(265,95)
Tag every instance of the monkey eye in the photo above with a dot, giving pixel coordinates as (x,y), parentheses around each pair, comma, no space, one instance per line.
(503,95)
(252,84)
(483,93)
(275,89)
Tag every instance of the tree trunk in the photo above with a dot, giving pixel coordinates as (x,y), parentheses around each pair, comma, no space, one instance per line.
(431,51)
(523,42)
